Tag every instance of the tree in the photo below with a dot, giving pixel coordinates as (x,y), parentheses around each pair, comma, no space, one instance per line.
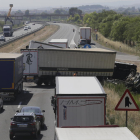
(27,12)
(73,11)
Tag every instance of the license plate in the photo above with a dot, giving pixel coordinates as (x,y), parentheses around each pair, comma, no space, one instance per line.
(22,125)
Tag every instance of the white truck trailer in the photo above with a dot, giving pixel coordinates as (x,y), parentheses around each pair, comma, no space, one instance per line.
(45,64)
(96,133)
(59,42)
(40,45)
(79,101)
(85,33)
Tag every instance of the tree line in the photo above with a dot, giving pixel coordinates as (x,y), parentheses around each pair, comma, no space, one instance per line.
(114,26)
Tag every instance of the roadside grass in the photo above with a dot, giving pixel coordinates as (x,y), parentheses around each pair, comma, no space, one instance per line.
(40,35)
(114,94)
(116,45)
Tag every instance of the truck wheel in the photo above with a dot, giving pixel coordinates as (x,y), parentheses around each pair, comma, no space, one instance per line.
(39,83)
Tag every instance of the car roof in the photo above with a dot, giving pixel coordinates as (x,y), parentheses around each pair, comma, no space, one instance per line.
(25,114)
(31,107)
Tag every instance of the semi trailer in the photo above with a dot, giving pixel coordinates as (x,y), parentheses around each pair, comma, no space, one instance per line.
(85,33)
(11,75)
(79,101)
(45,64)
(94,133)
(59,42)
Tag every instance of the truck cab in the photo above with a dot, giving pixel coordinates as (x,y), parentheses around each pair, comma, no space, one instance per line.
(7,30)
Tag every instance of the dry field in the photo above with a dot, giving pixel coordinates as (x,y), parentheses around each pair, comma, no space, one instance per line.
(41,35)
(119,117)
(119,46)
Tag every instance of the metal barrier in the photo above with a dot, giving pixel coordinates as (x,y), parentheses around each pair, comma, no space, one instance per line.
(21,36)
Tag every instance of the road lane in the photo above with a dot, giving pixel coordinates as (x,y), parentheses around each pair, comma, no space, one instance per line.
(32,96)
(21,31)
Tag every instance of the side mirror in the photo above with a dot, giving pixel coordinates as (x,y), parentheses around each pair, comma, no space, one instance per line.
(12,118)
(43,110)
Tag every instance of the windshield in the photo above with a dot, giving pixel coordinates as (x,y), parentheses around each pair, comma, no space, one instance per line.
(6,29)
(34,110)
(23,118)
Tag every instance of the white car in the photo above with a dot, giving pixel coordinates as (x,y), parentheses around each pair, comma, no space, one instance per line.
(29,27)
(1,104)
(25,28)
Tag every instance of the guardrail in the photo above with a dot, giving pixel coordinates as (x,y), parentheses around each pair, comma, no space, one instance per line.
(21,36)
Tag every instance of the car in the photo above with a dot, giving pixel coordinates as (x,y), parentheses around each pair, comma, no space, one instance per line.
(29,27)
(24,124)
(33,24)
(37,111)
(82,42)
(1,103)
(2,38)
(25,28)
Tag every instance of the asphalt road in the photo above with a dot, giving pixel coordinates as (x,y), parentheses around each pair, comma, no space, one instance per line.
(66,32)
(32,96)
(21,31)
(39,96)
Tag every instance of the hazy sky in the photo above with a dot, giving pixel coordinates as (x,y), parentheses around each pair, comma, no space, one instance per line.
(31,4)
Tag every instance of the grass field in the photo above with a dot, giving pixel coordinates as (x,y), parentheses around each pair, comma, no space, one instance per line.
(114,93)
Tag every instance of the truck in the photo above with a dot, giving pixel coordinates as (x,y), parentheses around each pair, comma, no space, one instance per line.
(11,75)
(85,34)
(40,45)
(59,42)
(94,133)
(79,101)
(45,64)
(7,30)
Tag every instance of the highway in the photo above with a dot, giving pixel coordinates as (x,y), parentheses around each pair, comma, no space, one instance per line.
(66,32)
(39,96)
(21,31)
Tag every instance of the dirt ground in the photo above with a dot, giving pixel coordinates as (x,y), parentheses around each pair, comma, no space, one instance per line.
(41,35)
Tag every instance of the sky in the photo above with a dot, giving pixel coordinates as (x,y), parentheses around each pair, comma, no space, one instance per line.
(33,4)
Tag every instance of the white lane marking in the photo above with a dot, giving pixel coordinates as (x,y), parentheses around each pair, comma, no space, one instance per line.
(72,41)
(19,105)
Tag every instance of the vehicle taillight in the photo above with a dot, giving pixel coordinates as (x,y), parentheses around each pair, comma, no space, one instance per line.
(32,123)
(40,116)
(12,123)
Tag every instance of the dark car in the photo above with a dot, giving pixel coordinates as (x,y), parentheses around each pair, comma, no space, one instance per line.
(82,41)
(24,124)
(33,24)
(2,38)
(37,112)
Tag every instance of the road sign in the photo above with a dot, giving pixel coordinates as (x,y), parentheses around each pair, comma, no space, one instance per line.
(87,45)
(127,103)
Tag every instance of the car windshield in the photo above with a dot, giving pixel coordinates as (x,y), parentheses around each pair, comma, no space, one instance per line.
(34,110)
(83,41)
(23,118)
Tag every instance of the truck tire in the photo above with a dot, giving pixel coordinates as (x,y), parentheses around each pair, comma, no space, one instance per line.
(39,83)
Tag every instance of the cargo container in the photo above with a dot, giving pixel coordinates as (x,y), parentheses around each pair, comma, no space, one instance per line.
(85,33)
(45,64)
(11,75)
(41,45)
(94,133)
(79,101)
(59,42)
